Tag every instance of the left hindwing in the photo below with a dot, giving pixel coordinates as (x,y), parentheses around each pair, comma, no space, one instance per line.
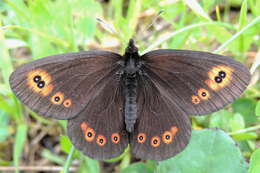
(162,129)
(199,82)
(98,131)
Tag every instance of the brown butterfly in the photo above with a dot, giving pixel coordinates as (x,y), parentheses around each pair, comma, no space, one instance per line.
(111,101)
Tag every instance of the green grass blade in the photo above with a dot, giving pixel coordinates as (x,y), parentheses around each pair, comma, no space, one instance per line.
(252,23)
(187,28)
(69,160)
(195,6)
(242,23)
(20,138)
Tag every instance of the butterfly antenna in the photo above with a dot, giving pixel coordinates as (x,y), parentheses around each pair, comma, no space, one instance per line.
(152,23)
(109,28)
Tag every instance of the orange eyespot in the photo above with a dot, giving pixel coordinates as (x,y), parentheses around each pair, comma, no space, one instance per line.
(57,98)
(220,76)
(67,103)
(39,81)
(89,134)
(155,141)
(174,130)
(141,137)
(84,126)
(115,138)
(203,93)
(167,137)
(101,140)
(195,99)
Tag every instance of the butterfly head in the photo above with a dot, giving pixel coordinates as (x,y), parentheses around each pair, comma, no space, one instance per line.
(131,48)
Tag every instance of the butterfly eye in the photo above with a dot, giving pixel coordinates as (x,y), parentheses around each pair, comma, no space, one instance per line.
(203,93)
(67,103)
(174,130)
(195,99)
(115,138)
(101,140)
(155,141)
(141,137)
(57,98)
(84,126)
(167,137)
(89,134)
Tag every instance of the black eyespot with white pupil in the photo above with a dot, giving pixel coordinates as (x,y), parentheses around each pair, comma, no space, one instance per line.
(222,74)
(41,84)
(115,138)
(218,79)
(57,99)
(167,137)
(89,134)
(101,141)
(37,79)
(155,141)
(141,138)
(204,94)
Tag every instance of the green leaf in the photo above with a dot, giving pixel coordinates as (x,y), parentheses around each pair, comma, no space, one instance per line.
(245,136)
(236,122)
(254,165)
(136,168)
(89,165)
(246,107)
(221,119)
(257,109)
(209,151)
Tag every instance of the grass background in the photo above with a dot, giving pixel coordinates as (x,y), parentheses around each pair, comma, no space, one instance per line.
(31,29)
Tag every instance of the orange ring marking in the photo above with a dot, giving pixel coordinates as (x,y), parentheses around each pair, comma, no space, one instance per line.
(169,135)
(115,138)
(174,130)
(101,140)
(67,103)
(141,137)
(89,134)
(195,99)
(202,91)
(58,95)
(155,141)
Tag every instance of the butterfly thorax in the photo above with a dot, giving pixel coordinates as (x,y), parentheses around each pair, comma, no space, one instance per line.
(131,69)
(131,60)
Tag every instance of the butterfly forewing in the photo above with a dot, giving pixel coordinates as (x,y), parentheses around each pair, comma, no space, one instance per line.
(199,82)
(60,86)
(99,130)
(162,129)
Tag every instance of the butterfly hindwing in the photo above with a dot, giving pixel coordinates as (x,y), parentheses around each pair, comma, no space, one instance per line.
(162,129)
(60,86)
(199,82)
(99,130)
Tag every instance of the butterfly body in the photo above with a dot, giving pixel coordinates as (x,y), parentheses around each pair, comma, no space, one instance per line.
(112,101)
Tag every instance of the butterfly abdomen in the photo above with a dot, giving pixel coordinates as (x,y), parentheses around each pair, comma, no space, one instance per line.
(130,103)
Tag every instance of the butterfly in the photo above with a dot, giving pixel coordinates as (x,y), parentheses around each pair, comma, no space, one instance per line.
(112,101)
